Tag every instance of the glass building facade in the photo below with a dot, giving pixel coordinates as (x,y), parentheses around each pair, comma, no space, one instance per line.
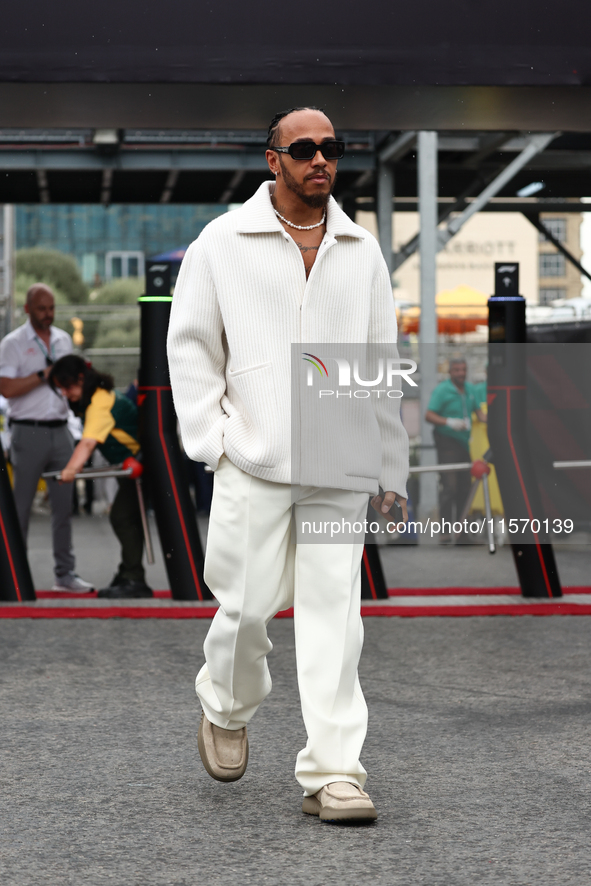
(126,234)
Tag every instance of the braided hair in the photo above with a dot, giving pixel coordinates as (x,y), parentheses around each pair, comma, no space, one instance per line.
(273,131)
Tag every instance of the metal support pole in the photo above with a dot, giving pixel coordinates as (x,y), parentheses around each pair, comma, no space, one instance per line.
(9,240)
(373,583)
(429,469)
(572,464)
(428,234)
(487,508)
(488,511)
(6,270)
(116,471)
(384,210)
(427,169)
(536,144)
(398,148)
(145,524)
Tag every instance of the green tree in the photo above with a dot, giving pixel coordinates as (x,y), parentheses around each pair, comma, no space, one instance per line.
(118,333)
(118,330)
(124,291)
(54,268)
(22,284)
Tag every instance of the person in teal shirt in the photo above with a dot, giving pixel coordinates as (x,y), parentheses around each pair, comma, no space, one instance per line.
(450,410)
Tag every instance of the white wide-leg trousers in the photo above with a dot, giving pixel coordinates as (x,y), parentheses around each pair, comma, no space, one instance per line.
(254,570)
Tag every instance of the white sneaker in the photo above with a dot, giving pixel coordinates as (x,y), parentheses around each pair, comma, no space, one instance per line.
(72,582)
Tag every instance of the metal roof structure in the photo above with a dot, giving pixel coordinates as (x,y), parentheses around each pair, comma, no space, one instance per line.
(207,166)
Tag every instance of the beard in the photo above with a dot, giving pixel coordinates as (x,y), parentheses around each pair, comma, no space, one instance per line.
(314,201)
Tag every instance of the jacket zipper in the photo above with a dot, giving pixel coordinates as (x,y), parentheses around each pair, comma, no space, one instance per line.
(321,252)
(324,247)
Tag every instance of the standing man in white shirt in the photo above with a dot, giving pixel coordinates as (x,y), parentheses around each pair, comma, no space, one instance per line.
(38,417)
(287,267)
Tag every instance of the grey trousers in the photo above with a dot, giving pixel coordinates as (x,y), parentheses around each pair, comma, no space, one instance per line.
(34,450)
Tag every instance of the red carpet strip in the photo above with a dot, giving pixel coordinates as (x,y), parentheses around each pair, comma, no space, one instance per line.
(402,603)
(469,592)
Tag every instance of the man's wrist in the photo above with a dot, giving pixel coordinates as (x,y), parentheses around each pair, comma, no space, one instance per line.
(41,375)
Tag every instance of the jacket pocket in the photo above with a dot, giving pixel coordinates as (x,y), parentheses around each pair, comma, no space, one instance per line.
(235,373)
(252,430)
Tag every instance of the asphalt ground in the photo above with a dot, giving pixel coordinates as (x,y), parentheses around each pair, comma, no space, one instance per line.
(478,754)
(405,566)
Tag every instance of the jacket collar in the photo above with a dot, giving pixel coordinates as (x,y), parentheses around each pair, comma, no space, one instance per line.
(257,216)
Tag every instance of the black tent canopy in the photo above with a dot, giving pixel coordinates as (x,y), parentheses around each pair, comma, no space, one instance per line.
(377,42)
(376,64)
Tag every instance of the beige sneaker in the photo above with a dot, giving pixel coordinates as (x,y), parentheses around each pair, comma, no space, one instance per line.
(224,752)
(340,801)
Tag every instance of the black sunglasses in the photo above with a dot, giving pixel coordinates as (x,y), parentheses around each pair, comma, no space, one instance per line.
(306,150)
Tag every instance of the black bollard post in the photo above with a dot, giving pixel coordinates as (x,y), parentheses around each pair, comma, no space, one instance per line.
(165,472)
(16,583)
(507,433)
(373,583)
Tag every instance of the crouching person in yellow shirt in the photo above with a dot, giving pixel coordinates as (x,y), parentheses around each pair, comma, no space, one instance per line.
(110,422)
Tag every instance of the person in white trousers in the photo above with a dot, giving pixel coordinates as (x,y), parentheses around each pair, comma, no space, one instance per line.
(288,266)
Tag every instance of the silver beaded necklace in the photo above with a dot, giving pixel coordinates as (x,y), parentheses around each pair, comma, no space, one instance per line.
(300,227)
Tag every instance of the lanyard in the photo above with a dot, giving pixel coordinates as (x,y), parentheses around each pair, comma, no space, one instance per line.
(464,405)
(48,354)
(464,401)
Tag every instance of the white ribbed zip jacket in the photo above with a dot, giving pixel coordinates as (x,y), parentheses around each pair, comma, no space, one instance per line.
(240,301)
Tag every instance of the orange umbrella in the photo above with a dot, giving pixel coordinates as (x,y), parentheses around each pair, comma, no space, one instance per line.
(459,310)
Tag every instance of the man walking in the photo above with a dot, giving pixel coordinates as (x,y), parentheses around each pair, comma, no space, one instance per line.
(40,440)
(287,267)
